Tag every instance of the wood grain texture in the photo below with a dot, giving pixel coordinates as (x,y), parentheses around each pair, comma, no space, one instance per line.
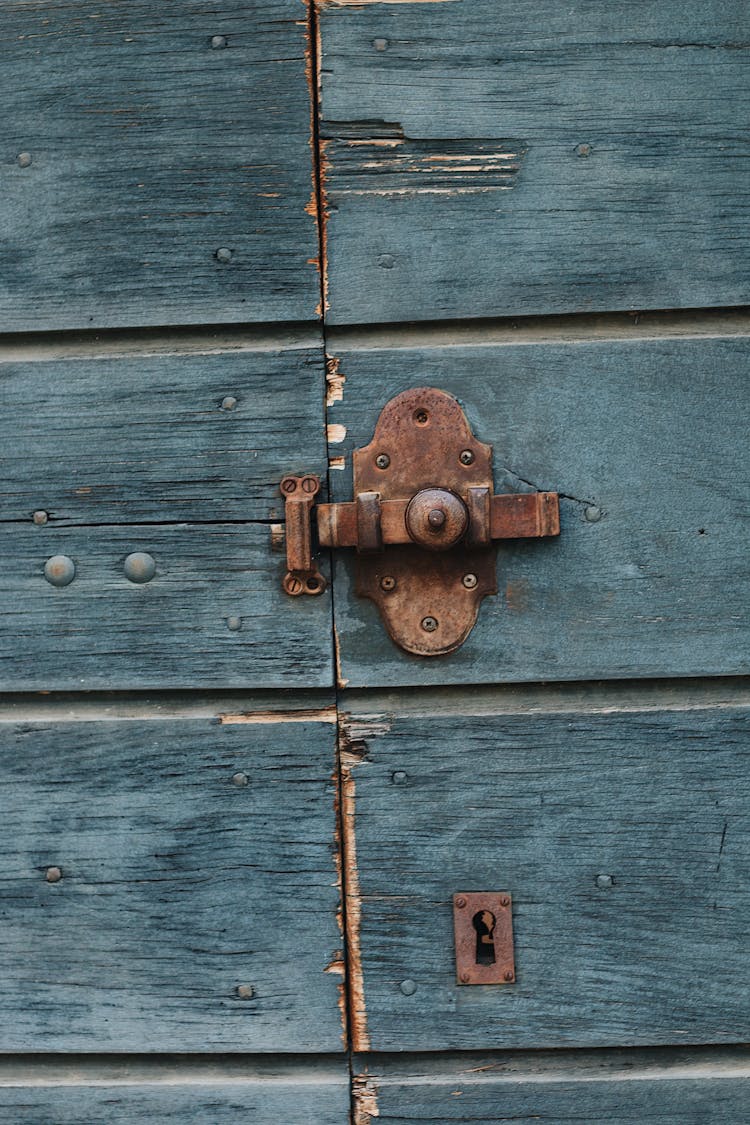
(624,840)
(262,1103)
(150,150)
(488,158)
(178,886)
(649,434)
(103,631)
(159,438)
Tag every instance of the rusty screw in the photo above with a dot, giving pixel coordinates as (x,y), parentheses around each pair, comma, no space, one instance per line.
(292,584)
(387,582)
(508,975)
(465,978)
(460,903)
(309,484)
(421,417)
(288,484)
(436,519)
(505,901)
(469,581)
(382,460)
(429,624)
(466,457)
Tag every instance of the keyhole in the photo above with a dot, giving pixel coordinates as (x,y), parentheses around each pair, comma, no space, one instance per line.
(484,923)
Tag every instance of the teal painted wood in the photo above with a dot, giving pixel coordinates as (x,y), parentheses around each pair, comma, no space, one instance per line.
(624,841)
(488,1099)
(490,158)
(651,436)
(156,164)
(180,885)
(159,438)
(266,1103)
(214,615)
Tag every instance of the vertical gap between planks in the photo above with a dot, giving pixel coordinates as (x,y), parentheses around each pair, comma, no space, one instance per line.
(318,171)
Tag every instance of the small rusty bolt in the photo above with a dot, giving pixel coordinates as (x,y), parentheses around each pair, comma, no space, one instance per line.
(408,987)
(289,485)
(223,254)
(421,417)
(465,978)
(218,41)
(429,624)
(139,567)
(245,991)
(505,901)
(40,518)
(228,403)
(466,457)
(53,875)
(59,570)
(508,975)
(387,582)
(239,779)
(382,460)
(292,584)
(436,518)
(469,581)
(460,903)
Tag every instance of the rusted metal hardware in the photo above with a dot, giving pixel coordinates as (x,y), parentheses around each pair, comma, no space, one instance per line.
(303,576)
(483,928)
(423,488)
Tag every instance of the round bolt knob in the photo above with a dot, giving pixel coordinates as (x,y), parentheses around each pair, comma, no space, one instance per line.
(139,567)
(436,519)
(59,570)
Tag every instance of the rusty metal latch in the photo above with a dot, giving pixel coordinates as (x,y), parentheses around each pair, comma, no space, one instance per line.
(424,521)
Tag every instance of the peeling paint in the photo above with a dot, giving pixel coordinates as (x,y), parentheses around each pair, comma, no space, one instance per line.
(337,965)
(341,680)
(323,715)
(364,1099)
(335,433)
(335,380)
(349,759)
(337,463)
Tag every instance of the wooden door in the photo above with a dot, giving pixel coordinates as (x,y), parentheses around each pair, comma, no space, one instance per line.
(234,821)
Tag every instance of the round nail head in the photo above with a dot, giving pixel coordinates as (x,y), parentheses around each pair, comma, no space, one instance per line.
(223,254)
(399,777)
(604,882)
(40,518)
(461,903)
(228,403)
(53,875)
(592,514)
(380,44)
(218,41)
(24,159)
(234,623)
(508,975)
(139,567)
(59,570)
(245,991)
(239,778)
(408,987)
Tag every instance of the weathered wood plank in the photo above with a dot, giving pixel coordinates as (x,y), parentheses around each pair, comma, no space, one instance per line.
(624,840)
(159,438)
(695,1090)
(197,905)
(646,441)
(490,158)
(214,615)
(156,164)
(266,1103)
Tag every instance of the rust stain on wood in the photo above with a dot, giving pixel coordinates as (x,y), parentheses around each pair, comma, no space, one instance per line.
(364,1099)
(335,380)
